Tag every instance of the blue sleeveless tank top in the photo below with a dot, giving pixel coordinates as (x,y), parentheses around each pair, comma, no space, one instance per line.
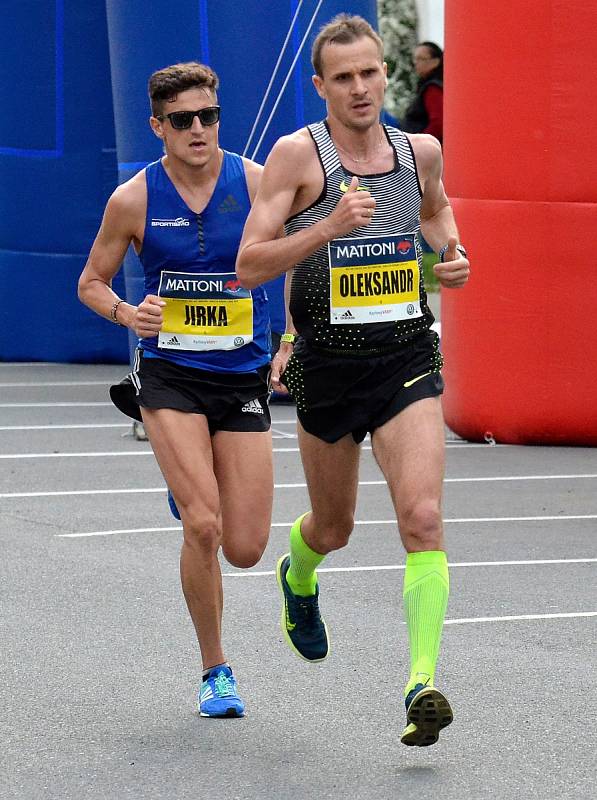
(184,251)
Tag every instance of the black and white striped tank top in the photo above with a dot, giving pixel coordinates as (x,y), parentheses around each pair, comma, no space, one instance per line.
(398,200)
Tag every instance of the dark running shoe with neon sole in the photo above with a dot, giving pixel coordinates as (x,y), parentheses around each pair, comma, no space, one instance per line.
(427,712)
(302,625)
(218,695)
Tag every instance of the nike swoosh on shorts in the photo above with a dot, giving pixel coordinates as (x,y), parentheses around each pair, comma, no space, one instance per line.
(414,380)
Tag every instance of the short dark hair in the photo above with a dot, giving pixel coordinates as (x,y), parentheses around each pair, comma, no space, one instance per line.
(434,49)
(165,84)
(343,29)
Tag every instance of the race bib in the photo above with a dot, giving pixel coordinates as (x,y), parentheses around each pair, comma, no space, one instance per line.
(208,311)
(374,279)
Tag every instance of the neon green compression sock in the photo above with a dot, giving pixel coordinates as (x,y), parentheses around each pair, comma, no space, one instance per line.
(426,589)
(301,575)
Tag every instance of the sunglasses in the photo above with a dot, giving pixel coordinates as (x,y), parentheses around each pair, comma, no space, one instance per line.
(181,120)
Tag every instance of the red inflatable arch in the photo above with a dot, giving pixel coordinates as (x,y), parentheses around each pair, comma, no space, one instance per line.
(520,146)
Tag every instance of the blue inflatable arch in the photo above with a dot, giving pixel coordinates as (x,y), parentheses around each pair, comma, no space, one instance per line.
(85,83)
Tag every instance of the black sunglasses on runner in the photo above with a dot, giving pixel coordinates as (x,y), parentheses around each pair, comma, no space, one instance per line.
(181,120)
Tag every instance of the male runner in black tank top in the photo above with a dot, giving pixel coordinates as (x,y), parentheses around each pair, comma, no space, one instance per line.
(365,359)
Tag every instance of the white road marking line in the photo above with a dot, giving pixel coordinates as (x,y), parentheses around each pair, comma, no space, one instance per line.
(488,479)
(282,434)
(54,405)
(523,519)
(145,452)
(103,425)
(28,385)
(149,452)
(96,404)
(522,478)
(113,533)
(391,567)
(569,615)
(65,427)
(357,522)
(84,492)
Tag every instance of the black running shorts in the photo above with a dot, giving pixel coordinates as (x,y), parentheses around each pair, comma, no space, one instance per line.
(336,394)
(231,401)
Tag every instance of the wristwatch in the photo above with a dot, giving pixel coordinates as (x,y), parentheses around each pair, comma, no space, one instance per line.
(461,249)
(288,337)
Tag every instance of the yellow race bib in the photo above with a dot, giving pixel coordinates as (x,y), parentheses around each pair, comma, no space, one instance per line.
(207,311)
(374,279)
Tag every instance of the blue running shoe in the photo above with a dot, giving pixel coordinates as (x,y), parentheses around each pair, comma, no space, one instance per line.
(302,625)
(218,696)
(427,712)
(173,506)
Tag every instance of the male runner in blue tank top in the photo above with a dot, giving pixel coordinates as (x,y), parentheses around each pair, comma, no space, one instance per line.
(353,194)
(200,377)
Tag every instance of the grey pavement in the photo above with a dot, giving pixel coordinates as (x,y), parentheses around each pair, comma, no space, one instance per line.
(99,666)
(434,303)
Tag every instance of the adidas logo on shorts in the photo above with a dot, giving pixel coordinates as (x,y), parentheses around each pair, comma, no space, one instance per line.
(252,407)
(172,342)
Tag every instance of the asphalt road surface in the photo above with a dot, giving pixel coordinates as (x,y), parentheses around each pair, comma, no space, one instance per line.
(99,667)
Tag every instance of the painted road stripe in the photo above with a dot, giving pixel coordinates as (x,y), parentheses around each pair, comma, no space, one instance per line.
(560,518)
(98,425)
(54,405)
(149,452)
(90,426)
(64,427)
(392,567)
(489,479)
(570,615)
(105,383)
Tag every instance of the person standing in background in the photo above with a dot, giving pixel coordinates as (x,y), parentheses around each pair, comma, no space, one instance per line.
(426,112)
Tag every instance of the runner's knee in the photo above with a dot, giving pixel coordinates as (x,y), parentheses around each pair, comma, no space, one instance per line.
(202,529)
(421,525)
(243,555)
(332,533)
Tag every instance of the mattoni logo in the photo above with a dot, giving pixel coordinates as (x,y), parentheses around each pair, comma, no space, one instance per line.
(252,407)
(179,222)
(366,250)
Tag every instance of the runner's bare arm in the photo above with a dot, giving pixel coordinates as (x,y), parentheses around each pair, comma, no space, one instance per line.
(281,358)
(262,256)
(437,219)
(287,289)
(122,224)
(438,225)
(253,172)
